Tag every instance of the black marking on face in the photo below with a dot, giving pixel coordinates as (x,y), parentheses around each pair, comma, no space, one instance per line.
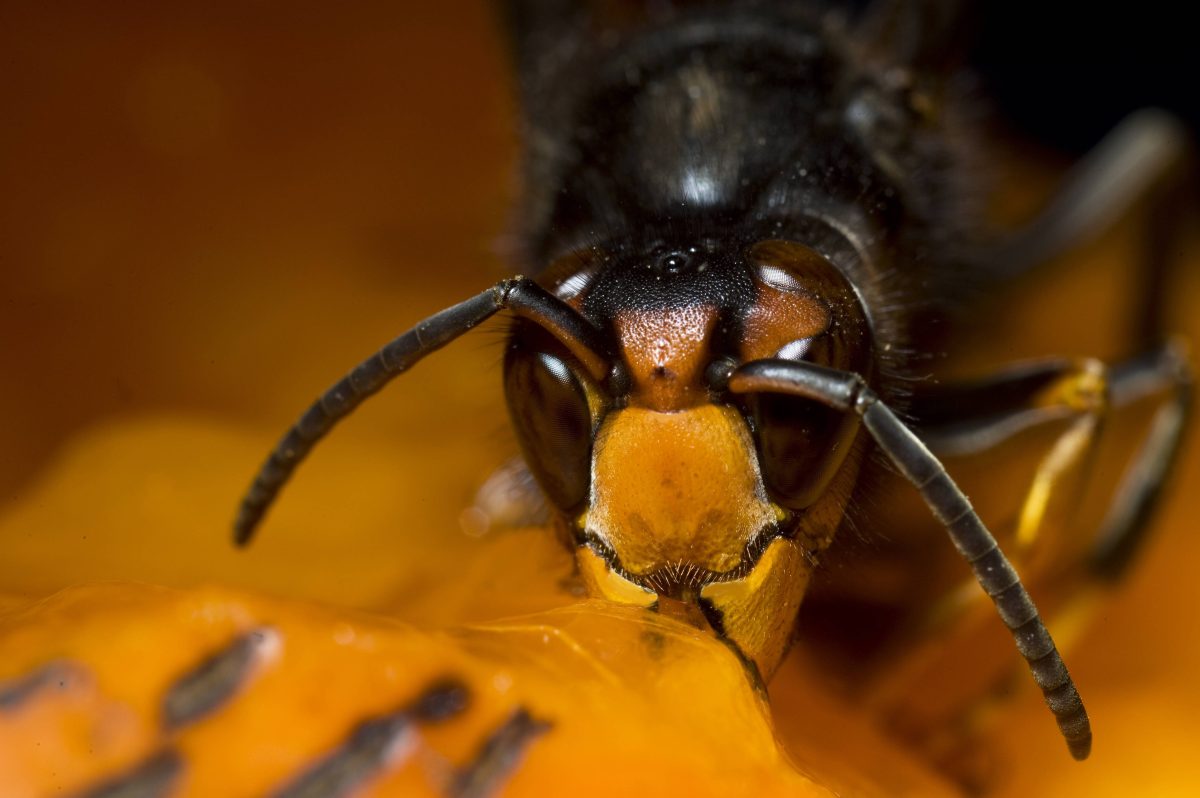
(208,686)
(375,743)
(681,580)
(59,673)
(152,778)
(498,757)
(654,276)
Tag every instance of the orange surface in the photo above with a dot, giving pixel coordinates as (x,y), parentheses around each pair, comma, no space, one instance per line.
(209,214)
(334,669)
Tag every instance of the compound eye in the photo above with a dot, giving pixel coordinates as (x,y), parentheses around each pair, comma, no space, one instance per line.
(801,444)
(806,310)
(549,409)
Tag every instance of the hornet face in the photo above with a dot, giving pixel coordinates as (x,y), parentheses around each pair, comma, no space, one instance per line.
(740,215)
(677,494)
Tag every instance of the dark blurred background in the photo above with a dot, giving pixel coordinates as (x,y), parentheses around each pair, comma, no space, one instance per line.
(1064,73)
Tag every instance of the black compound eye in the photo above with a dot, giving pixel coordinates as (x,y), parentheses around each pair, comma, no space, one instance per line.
(549,410)
(801,444)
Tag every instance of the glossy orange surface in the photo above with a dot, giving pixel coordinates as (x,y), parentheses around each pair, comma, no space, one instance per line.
(615,685)
(209,214)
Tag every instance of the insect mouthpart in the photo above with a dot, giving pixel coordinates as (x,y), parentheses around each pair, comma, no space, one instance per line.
(684,580)
(674,488)
(752,606)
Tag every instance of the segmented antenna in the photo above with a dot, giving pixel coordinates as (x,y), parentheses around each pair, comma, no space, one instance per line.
(348,393)
(848,392)
(520,295)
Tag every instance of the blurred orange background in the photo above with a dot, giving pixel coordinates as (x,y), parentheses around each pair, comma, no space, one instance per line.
(210,211)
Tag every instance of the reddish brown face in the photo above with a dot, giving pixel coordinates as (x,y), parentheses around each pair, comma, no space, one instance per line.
(670,488)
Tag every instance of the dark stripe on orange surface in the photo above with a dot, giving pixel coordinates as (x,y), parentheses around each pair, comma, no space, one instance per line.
(213,682)
(153,778)
(376,743)
(498,757)
(58,673)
